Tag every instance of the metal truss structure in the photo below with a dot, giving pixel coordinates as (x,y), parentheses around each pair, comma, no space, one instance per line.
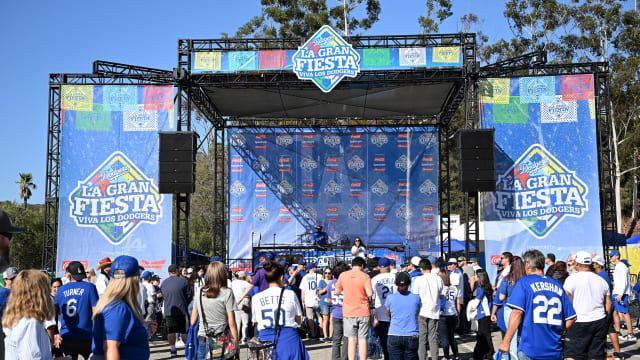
(192,96)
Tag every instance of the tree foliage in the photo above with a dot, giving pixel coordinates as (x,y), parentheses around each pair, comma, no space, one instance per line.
(302,18)
(437,12)
(26,184)
(25,249)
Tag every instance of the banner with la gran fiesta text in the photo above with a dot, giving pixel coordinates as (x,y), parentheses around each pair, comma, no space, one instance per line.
(378,184)
(109,199)
(546,167)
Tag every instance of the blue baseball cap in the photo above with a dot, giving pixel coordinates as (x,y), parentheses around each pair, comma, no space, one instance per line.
(146,275)
(126,266)
(215,258)
(432,259)
(312,266)
(384,262)
(301,262)
(283,263)
(614,252)
(393,262)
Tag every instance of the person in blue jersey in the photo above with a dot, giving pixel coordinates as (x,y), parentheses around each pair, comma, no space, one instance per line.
(325,306)
(119,331)
(402,309)
(320,237)
(540,304)
(339,350)
(598,267)
(502,313)
(265,304)
(620,294)
(484,345)
(76,301)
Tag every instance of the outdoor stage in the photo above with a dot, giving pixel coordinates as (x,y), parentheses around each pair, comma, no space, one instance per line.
(367,153)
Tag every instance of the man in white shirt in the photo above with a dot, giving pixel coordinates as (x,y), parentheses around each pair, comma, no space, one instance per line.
(311,299)
(505,261)
(591,299)
(103,278)
(150,309)
(620,296)
(238,287)
(429,287)
(383,285)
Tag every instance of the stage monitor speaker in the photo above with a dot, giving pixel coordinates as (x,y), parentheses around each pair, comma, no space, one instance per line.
(177,170)
(476,160)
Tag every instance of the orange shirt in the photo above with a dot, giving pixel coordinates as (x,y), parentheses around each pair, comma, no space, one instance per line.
(354,284)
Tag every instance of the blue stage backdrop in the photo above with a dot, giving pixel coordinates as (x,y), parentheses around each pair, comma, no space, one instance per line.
(381,185)
(109,200)
(546,167)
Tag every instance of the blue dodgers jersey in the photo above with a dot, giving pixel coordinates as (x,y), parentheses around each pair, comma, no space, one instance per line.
(545,306)
(76,301)
(117,322)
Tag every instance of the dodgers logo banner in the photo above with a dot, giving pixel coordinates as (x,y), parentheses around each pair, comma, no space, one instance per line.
(109,199)
(546,194)
(325,59)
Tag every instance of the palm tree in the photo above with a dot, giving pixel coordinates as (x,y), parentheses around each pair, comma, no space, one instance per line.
(26,185)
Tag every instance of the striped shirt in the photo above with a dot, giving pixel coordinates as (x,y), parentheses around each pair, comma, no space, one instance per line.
(27,339)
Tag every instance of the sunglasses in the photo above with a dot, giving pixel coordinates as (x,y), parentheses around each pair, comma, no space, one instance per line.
(327,272)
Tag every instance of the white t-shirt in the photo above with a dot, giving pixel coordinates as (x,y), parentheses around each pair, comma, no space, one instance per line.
(238,287)
(151,291)
(587,292)
(429,287)
(265,304)
(621,285)
(101,283)
(383,285)
(457,280)
(309,285)
(361,251)
(451,293)
(142,296)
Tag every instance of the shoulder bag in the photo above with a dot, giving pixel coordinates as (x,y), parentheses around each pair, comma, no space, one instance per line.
(264,350)
(221,345)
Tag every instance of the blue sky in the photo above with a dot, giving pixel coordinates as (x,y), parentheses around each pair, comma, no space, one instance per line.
(67,36)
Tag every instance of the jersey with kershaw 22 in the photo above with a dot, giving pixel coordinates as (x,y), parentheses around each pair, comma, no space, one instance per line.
(545,306)
(264,306)
(309,285)
(76,301)
(383,285)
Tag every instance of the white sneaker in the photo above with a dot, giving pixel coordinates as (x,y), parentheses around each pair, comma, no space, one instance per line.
(631,337)
(179,344)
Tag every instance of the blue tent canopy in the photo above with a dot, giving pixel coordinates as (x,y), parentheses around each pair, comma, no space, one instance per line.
(634,240)
(611,241)
(386,236)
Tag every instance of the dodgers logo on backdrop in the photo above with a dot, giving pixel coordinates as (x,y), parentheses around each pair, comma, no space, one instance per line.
(260,164)
(559,111)
(140,120)
(326,59)
(403,163)
(261,213)
(427,139)
(403,212)
(539,191)
(307,163)
(356,212)
(355,163)
(331,140)
(284,140)
(309,213)
(237,188)
(379,139)
(115,199)
(285,188)
(332,188)
(379,188)
(428,187)
(238,139)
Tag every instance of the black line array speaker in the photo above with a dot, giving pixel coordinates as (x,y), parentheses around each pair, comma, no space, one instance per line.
(476,161)
(177,170)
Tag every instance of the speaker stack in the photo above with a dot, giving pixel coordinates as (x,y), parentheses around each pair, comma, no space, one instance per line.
(476,160)
(177,170)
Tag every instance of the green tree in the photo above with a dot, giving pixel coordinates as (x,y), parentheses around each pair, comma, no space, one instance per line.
(25,249)
(302,18)
(437,12)
(26,184)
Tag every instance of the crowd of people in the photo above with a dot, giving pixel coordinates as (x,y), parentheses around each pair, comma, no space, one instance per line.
(543,308)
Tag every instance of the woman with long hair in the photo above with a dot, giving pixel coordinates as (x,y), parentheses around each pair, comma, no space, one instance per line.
(216,303)
(91,275)
(359,248)
(558,272)
(28,308)
(325,306)
(288,345)
(504,292)
(449,311)
(119,330)
(484,344)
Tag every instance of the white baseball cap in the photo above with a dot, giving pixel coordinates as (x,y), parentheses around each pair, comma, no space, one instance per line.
(452,261)
(598,260)
(476,267)
(583,257)
(416,260)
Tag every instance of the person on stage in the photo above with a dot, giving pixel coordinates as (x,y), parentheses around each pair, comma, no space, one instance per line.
(320,238)
(359,249)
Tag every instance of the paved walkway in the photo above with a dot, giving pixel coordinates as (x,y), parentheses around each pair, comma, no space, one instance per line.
(322,351)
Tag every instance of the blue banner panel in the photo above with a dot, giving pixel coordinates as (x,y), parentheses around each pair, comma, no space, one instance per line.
(546,167)
(370,59)
(109,199)
(380,185)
